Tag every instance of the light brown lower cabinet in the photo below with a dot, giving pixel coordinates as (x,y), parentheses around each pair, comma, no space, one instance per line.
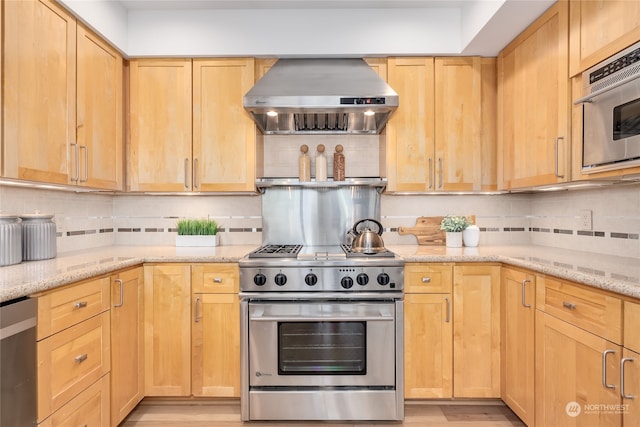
(428,359)
(577,376)
(518,339)
(127,343)
(192,340)
(476,330)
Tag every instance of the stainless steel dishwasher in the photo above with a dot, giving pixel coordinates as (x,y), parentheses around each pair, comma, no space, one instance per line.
(18,363)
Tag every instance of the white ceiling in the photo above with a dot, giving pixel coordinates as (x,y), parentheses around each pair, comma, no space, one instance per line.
(291,28)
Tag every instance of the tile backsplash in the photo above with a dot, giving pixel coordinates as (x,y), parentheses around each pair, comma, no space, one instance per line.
(86,220)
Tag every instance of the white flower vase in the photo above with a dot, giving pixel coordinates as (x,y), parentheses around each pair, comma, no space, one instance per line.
(454,239)
(471,236)
(201,241)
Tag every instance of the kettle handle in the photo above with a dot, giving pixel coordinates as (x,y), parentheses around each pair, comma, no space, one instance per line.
(355,226)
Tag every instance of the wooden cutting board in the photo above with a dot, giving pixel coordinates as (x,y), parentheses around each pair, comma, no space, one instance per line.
(427,230)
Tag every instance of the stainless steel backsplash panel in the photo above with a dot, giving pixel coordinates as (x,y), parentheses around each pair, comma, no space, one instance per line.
(315,216)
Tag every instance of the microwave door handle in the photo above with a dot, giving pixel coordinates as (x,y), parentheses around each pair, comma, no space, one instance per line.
(589,98)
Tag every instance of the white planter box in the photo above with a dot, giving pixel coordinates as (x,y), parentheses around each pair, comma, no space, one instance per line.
(197,240)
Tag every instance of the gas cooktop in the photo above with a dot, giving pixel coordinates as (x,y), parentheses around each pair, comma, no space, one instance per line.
(314,252)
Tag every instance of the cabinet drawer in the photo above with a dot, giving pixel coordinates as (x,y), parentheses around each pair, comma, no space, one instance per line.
(592,310)
(428,278)
(90,408)
(59,309)
(215,278)
(70,361)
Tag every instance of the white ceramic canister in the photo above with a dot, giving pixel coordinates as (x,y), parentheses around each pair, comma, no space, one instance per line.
(10,240)
(38,236)
(471,236)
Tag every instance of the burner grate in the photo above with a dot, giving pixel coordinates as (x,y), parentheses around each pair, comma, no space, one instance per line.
(351,254)
(276,251)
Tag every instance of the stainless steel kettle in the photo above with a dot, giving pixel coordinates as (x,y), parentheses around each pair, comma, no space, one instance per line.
(367,241)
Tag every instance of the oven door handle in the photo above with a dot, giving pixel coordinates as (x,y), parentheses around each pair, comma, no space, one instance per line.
(321,318)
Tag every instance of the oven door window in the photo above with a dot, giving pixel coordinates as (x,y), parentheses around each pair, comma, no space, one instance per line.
(322,348)
(626,120)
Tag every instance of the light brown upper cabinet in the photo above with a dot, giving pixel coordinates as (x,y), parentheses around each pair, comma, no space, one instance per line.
(534,140)
(189,131)
(63,99)
(224,136)
(437,139)
(600,29)
(99,147)
(39,91)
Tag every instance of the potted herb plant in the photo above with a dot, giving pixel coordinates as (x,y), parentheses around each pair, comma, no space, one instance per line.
(197,232)
(454,226)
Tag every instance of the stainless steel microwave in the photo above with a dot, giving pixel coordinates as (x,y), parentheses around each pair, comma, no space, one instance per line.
(611,113)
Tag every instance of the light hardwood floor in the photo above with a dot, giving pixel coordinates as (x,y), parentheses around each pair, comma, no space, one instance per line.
(164,413)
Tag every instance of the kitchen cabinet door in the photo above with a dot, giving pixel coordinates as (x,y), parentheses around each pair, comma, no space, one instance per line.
(518,339)
(39,84)
(224,135)
(534,139)
(458,108)
(167,326)
(570,378)
(127,343)
(216,345)
(97,156)
(593,37)
(476,330)
(428,346)
(159,155)
(630,374)
(411,130)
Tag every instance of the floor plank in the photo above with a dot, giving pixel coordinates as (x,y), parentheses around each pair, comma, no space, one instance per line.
(167,413)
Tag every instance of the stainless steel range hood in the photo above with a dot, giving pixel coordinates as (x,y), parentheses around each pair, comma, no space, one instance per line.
(321,96)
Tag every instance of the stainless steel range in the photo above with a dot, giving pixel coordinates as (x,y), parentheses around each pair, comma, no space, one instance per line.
(322,330)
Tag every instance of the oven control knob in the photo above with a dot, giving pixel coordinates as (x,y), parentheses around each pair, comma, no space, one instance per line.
(346,282)
(362,279)
(260,279)
(280,279)
(311,279)
(383,279)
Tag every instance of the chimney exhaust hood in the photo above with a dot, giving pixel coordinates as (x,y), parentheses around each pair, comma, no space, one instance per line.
(321,96)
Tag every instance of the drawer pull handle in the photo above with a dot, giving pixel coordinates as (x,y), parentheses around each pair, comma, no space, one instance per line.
(426,280)
(80,304)
(217,280)
(569,305)
(622,362)
(604,369)
(81,358)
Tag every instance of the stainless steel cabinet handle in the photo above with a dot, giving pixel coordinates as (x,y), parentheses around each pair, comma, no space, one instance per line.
(448,318)
(86,163)
(80,304)
(196,175)
(121,283)
(77,156)
(440,173)
(430,173)
(569,305)
(426,280)
(81,358)
(186,173)
(524,288)
(195,310)
(604,369)
(557,165)
(622,363)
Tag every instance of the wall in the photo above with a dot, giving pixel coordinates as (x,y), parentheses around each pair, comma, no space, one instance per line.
(86,220)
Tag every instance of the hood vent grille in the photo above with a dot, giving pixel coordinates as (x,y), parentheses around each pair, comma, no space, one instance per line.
(324,96)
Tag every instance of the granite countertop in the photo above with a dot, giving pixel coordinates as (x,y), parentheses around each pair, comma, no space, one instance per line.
(617,274)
